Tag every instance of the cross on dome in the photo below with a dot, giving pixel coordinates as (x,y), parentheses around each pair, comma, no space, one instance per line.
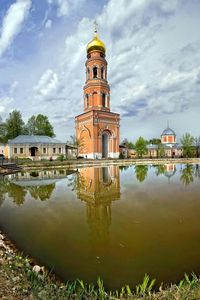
(95,26)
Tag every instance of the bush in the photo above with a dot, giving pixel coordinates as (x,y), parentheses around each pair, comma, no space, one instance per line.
(61,157)
(121,156)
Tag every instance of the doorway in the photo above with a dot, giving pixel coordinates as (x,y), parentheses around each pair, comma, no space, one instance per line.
(33,151)
(104,145)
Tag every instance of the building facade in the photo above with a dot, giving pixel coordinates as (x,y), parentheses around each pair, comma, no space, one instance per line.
(168,147)
(97,129)
(35,147)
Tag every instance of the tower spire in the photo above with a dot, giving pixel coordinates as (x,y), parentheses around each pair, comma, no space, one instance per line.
(95,27)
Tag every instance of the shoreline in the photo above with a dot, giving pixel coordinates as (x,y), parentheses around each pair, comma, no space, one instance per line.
(71,164)
(21,278)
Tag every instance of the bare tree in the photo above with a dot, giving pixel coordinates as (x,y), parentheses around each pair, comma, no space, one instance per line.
(79,143)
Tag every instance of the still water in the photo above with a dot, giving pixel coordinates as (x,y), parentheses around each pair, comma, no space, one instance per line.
(114,222)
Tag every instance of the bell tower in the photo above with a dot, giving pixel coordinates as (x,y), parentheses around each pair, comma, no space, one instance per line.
(97,129)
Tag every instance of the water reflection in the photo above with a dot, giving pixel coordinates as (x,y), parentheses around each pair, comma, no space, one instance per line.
(104,222)
(98,188)
(187,174)
(141,172)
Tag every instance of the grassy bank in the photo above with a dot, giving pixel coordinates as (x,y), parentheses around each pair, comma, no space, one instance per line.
(45,164)
(21,279)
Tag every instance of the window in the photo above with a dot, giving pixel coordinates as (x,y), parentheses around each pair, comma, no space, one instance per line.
(88,72)
(87,100)
(95,72)
(102,72)
(54,150)
(103,100)
(21,150)
(59,150)
(15,150)
(44,150)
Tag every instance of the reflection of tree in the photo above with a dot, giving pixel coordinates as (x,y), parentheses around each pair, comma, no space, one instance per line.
(17,192)
(3,189)
(160,169)
(123,168)
(197,171)
(42,192)
(187,175)
(141,172)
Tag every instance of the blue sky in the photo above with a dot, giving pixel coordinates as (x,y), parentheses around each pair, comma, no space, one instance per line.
(153,52)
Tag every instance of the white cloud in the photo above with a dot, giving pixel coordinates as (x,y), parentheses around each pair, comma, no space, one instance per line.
(47,85)
(12,23)
(14,87)
(48,24)
(152,65)
(64,7)
(4,104)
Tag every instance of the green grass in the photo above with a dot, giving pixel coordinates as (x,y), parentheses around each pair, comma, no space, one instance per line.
(44,286)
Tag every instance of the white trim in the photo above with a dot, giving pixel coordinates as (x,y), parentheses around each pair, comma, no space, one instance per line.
(98,155)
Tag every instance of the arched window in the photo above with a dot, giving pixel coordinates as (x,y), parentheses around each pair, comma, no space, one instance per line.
(103,100)
(88,73)
(95,99)
(95,72)
(102,72)
(87,100)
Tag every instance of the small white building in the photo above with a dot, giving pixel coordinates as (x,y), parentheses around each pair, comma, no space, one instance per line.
(35,147)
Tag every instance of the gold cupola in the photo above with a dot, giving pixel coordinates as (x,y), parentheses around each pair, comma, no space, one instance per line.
(96,43)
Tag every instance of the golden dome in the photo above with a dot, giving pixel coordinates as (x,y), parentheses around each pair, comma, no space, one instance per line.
(96,44)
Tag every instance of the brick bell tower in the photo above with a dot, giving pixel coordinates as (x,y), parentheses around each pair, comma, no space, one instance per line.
(97,129)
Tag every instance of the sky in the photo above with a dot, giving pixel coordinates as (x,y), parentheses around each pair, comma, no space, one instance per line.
(153,54)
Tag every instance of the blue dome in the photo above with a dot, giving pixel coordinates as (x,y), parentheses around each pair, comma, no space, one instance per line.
(168,131)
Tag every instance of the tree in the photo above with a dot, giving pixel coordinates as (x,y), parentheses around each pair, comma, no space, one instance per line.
(141,146)
(79,143)
(14,125)
(155,141)
(187,142)
(30,127)
(197,145)
(131,145)
(3,132)
(128,144)
(39,125)
(161,151)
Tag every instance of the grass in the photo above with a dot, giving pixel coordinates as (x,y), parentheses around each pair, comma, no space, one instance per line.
(43,285)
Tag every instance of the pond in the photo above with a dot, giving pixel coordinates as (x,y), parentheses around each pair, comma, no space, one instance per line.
(116,222)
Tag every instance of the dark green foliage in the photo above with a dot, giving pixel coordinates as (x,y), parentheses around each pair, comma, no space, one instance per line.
(154,141)
(121,156)
(187,142)
(3,138)
(141,147)
(14,125)
(39,125)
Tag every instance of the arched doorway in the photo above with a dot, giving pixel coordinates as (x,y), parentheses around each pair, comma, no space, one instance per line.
(105,139)
(33,151)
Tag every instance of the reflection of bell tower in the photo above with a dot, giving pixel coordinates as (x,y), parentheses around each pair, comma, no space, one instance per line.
(97,128)
(98,188)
